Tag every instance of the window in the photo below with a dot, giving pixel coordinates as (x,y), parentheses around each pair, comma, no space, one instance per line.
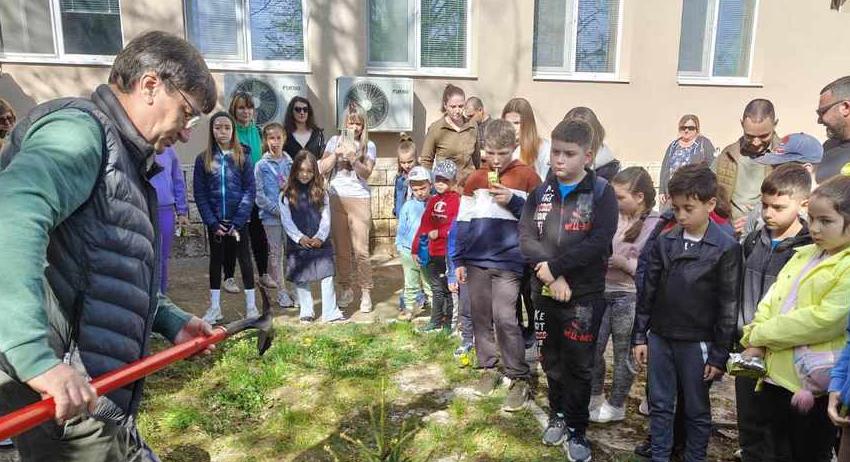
(62,30)
(419,35)
(266,34)
(716,39)
(576,37)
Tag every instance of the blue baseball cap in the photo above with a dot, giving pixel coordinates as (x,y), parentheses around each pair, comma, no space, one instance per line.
(799,147)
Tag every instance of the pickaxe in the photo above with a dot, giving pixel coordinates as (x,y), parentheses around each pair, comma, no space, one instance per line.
(26,418)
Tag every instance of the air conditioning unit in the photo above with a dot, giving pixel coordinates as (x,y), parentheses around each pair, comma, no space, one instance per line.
(271,92)
(388,102)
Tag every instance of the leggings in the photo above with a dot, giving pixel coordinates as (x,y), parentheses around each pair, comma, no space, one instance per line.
(259,246)
(219,248)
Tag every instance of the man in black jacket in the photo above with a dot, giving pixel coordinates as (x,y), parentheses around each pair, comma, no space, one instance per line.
(689,304)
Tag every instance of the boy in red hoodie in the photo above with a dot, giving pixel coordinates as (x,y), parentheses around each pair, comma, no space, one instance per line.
(440,212)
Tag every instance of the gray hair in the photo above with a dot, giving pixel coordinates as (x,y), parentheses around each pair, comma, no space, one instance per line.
(840,88)
(173,59)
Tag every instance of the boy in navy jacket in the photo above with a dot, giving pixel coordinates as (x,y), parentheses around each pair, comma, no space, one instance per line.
(565,232)
(488,259)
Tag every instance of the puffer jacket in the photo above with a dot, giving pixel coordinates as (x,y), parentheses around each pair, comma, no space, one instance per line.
(225,193)
(817,319)
(692,295)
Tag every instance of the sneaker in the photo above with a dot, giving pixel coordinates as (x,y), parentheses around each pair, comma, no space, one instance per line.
(339,320)
(595,402)
(643,409)
(306,319)
(462,350)
(365,302)
(6,444)
(252,312)
(556,432)
(345,298)
(490,379)
(230,286)
(608,413)
(213,315)
(268,282)
(644,449)
(578,448)
(284,300)
(517,397)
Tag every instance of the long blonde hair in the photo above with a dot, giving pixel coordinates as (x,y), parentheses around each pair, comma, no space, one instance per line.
(356,113)
(235,147)
(529,141)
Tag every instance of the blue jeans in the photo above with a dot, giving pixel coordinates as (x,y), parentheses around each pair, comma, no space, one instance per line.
(674,363)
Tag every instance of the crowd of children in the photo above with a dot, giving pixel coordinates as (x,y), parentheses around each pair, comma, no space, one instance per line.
(544,233)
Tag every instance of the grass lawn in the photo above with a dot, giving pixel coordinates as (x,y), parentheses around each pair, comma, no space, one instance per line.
(325,393)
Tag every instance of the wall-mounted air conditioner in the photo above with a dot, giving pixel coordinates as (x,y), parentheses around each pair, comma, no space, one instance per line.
(388,102)
(271,92)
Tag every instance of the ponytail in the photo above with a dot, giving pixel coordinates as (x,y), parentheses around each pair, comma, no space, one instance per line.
(637,179)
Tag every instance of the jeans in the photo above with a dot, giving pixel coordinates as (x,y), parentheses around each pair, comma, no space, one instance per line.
(672,364)
(441,303)
(566,333)
(464,314)
(493,306)
(330,310)
(351,220)
(617,323)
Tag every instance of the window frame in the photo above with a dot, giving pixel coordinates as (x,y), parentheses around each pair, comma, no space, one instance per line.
(571,42)
(247,63)
(706,78)
(59,56)
(414,67)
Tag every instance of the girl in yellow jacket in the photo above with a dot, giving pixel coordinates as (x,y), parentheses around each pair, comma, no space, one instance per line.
(799,330)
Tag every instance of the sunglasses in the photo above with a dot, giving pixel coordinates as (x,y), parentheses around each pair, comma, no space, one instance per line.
(823,110)
(685,128)
(301,109)
(191,117)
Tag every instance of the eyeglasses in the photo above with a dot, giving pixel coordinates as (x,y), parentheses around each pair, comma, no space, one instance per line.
(301,109)
(8,119)
(823,110)
(192,118)
(684,128)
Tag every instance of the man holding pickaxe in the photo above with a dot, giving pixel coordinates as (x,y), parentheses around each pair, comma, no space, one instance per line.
(79,248)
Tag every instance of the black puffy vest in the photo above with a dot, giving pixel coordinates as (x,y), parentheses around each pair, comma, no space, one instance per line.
(102,277)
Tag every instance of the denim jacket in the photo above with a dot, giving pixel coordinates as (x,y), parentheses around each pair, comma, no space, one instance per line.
(269,175)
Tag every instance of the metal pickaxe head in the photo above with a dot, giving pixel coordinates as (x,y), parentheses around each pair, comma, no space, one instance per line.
(263,325)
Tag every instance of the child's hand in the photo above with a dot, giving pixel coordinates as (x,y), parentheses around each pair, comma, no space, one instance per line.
(453,287)
(433,234)
(501,194)
(315,243)
(304,242)
(834,410)
(544,274)
(740,224)
(711,373)
(640,353)
(561,290)
(754,352)
(460,273)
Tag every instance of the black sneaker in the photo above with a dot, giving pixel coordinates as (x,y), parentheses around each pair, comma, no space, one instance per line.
(556,432)
(578,448)
(490,379)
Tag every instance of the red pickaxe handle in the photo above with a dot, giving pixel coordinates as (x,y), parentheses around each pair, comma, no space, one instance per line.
(35,414)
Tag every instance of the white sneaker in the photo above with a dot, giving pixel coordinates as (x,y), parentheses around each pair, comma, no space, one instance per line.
(365,302)
(213,315)
(252,312)
(7,443)
(595,402)
(267,281)
(643,409)
(230,286)
(345,298)
(609,413)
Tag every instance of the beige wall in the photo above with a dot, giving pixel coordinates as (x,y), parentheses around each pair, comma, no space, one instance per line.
(800,46)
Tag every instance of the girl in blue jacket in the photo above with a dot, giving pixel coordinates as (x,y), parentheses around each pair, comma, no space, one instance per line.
(224,194)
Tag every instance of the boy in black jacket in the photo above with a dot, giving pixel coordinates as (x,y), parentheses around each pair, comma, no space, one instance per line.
(784,196)
(689,305)
(565,232)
